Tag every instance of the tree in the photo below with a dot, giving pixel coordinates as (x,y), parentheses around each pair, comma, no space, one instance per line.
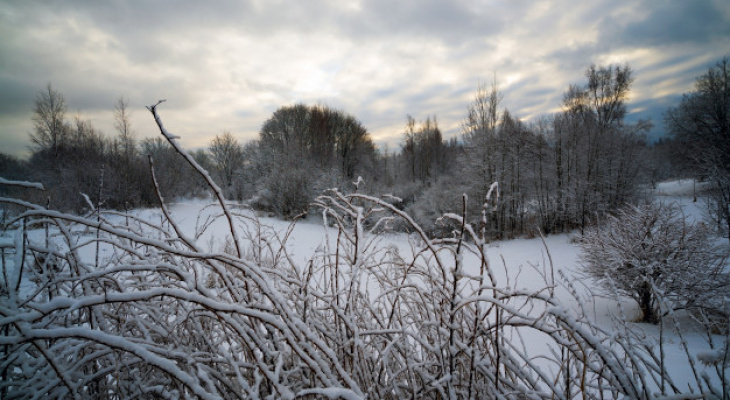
(651,254)
(500,148)
(480,161)
(598,153)
(326,137)
(129,170)
(66,157)
(331,145)
(227,159)
(287,131)
(123,125)
(175,177)
(424,149)
(701,122)
(50,128)
(606,91)
(82,164)
(479,130)
(49,136)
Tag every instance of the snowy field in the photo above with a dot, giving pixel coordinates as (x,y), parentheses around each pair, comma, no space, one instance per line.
(522,264)
(545,268)
(525,264)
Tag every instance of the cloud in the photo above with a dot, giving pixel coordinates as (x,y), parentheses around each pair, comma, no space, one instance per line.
(230,64)
(668,23)
(16,96)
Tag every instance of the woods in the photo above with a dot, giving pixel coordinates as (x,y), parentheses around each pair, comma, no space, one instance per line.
(102,301)
(701,123)
(556,173)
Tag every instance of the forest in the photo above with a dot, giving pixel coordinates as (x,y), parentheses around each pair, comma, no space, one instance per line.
(555,174)
(107,292)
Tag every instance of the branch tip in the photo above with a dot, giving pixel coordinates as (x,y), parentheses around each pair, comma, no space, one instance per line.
(152,107)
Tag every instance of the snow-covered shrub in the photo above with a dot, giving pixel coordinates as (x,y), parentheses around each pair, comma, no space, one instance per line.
(157,314)
(407,193)
(440,198)
(287,193)
(650,251)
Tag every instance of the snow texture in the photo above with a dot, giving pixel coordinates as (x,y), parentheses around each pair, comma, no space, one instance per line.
(208,300)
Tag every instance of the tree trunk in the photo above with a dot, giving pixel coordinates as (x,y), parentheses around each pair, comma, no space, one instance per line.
(645,303)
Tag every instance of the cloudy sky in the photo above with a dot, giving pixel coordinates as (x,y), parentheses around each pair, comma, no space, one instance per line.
(227,65)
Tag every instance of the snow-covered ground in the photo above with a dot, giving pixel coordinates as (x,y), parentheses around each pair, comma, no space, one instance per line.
(685,193)
(520,264)
(528,264)
(687,188)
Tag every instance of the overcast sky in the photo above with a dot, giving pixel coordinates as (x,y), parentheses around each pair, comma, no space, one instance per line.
(227,65)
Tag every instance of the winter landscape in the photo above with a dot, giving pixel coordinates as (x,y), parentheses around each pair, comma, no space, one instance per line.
(206,298)
(365,200)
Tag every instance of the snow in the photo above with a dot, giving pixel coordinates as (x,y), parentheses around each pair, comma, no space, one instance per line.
(520,267)
(680,187)
(331,393)
(683,193)
(33,185)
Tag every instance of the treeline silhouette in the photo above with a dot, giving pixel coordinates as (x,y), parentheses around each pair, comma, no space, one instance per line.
(558,172)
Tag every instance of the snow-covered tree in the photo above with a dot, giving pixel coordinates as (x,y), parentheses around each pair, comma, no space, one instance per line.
(701,122)
(328,147)
(161,312)
(651,254)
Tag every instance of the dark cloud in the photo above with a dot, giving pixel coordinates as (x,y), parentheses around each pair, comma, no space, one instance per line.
(139,24)
(576,57)
(16,96)
(669,22)
(652,110)
(527,100)
(451,22)
(690,65)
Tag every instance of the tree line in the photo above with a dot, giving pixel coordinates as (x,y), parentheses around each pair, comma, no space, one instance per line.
(78,164)
(559,172)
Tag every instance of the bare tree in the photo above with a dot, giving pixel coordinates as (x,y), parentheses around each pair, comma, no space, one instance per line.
(127,171)
(227,159)
(424,149)
(701,122)
(479,130)
(66,157)
(51,130)
(123,125)
(330,145)
(168,314)
(593,143)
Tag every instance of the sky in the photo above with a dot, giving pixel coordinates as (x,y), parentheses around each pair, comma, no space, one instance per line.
(228,65)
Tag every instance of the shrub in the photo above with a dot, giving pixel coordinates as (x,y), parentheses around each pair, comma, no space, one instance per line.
(651,253)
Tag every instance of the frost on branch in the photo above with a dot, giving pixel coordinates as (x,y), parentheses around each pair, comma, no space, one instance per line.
(165,315)
(648,248)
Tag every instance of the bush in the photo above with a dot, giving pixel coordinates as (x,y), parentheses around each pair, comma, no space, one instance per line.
(650,253)
(435,201)
(161,315)
(286,193)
